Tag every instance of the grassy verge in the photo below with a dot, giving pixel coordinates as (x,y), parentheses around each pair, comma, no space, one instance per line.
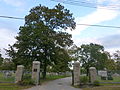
(13,86)
(103,88)
(115,79)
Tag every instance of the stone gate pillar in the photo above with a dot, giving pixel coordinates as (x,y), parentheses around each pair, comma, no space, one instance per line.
(93,74)
(36,72)
(76,73)
(19,73)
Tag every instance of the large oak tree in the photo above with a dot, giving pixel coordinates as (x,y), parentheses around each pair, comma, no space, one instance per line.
(43,36)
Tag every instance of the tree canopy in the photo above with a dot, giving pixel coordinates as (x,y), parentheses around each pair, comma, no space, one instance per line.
(91,55)
(43,37)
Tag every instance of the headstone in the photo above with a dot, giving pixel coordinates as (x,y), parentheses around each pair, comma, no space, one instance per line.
(102,73)
(76,73)
(19,73)
(36,72)
(93,74)
(115,75)
(8,74)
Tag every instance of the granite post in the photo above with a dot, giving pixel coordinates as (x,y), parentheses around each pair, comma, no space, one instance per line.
(93,74)
(36,72)
(76,73)
(19,73)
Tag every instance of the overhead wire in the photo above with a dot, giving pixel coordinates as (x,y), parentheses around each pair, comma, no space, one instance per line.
(107,26)
(88,4)
(11,17)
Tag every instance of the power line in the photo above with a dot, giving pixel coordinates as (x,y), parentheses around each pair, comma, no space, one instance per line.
(100,25)
(12,17)
(89,5)
(107,26)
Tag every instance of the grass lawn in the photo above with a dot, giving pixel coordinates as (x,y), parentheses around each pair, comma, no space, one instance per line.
(13,86)
(115,79)
(4,79)
(103,88)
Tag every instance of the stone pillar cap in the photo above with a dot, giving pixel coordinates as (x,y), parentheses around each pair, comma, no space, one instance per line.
(76,62)
(38,62)
(92,68)
(20,66)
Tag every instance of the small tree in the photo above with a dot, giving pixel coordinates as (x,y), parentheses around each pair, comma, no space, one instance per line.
(91,55)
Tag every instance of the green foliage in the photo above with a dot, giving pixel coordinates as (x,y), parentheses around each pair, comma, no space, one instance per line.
(84,79)
(91,55)
(110,78)
(96,83)
(7,65)
(42,37)
(26,80)
(1,59)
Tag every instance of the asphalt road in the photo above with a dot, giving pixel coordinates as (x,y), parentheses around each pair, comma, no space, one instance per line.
(60,84)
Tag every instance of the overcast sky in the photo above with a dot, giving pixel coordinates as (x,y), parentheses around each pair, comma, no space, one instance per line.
(108,37)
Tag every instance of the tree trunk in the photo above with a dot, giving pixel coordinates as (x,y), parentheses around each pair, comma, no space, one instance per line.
(87,72)
(44,70)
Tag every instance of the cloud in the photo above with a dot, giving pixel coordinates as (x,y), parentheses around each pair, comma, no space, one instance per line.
(98,16)
(80,41)
(112,41)
(6,37)
(16,3)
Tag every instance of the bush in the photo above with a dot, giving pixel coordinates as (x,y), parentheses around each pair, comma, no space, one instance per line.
(96,83)
(110,78)
(103,78)
(26,80)
(84,80)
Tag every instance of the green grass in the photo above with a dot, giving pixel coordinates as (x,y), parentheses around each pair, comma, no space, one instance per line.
(115,79)
(103,88)
(8,79)
(13,86)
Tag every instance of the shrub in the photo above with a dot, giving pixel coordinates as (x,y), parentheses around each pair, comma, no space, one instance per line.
(26,80)
(84,79)
(110,78)
(103,78)
(96,83)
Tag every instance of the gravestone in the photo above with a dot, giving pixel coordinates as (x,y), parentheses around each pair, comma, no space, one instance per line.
(36,72)
(93,74)
(8,74)
(19,73)
(103,74)
(76,73)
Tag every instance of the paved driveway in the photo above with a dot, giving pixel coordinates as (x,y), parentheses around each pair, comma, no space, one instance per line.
(60,84)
